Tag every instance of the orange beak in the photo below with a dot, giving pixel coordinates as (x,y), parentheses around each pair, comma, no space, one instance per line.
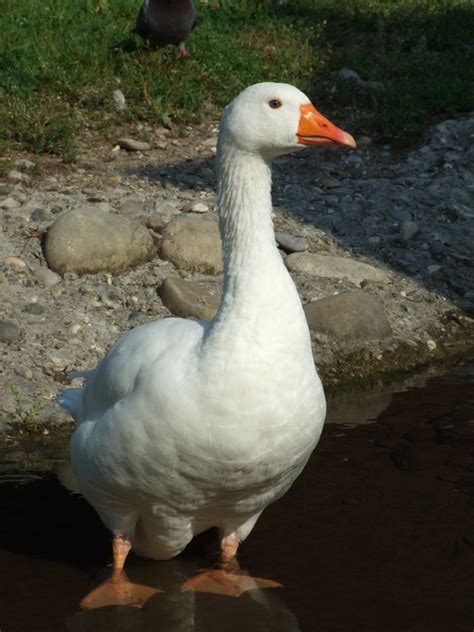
(314,129)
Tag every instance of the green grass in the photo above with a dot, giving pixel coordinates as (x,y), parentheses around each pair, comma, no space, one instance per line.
(60,62)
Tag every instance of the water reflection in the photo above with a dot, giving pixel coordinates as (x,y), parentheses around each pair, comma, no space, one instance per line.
(259,610)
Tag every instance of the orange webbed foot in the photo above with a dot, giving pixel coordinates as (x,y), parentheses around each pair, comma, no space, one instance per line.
(221,582)
(118,591)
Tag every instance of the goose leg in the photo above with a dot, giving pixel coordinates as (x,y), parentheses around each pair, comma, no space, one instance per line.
(118,590)
(182,50)
(227,578)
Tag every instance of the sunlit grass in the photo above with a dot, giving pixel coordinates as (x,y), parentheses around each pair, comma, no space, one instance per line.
(61,61)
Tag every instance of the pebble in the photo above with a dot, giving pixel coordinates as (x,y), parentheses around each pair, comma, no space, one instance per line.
(119,100)
(431,344)
(33,308)
(40,215)
(433,269)
(199,207)
(346,74)
(9,203)
(331,183)
(14,261)
(18,176)
(400,215)
(408,230)
(24,371)
(24,163)
(132,145)
(131,207)
(9,331)
(290,243)
(47,277)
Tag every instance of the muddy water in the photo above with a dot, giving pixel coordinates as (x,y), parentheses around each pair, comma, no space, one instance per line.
(376,536)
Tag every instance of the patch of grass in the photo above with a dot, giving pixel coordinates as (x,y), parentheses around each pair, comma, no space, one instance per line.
(25,417)
(61,61)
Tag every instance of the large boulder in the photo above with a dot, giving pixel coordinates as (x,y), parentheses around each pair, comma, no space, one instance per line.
(88,241)
(194,244)
(353,316)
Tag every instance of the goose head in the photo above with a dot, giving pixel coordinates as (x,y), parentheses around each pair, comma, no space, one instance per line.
(272,119)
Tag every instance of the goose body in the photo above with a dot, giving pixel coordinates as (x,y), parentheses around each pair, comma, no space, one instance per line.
(186,425)
(162,22)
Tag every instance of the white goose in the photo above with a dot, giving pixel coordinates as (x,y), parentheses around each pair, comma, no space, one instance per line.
(187,425)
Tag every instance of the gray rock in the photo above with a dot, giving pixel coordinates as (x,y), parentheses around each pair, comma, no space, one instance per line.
(17,175)
(199,207)
(119,100)
(400,215)
(193,243)
(24,371)
(9,331)
(87,241)
(34,308)
(290,243)
(132,145)
(408,230)
(131,207)
(24,163)
(346,74)
(188,299)
(349,316)
(9,203)
(331,267)
(47,277)
(40,215)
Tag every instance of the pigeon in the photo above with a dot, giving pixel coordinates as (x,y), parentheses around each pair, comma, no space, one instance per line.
(162,22)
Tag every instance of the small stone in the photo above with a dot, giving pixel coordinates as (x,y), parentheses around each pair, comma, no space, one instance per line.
(290,243)
(135,316)
(331,183)
(199,207)
(47,277)
(161,145)
(364,141)
(188,299)
(408,230)
(131,207)
(400,215)
(9,203)
(346,74)
(33,308)
(431,344)
(433,269)
(119,100)
(24,371)
(24,163)
(14,261)
(132,145)
(9,331)
(17,175)
(40,215)
(75,328)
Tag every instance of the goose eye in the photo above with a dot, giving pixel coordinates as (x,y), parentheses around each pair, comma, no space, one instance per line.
(275,103)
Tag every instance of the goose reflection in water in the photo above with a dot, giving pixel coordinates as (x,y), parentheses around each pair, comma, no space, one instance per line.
(258,610)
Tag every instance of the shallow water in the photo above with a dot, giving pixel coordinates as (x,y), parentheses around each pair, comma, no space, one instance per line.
(376,535)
